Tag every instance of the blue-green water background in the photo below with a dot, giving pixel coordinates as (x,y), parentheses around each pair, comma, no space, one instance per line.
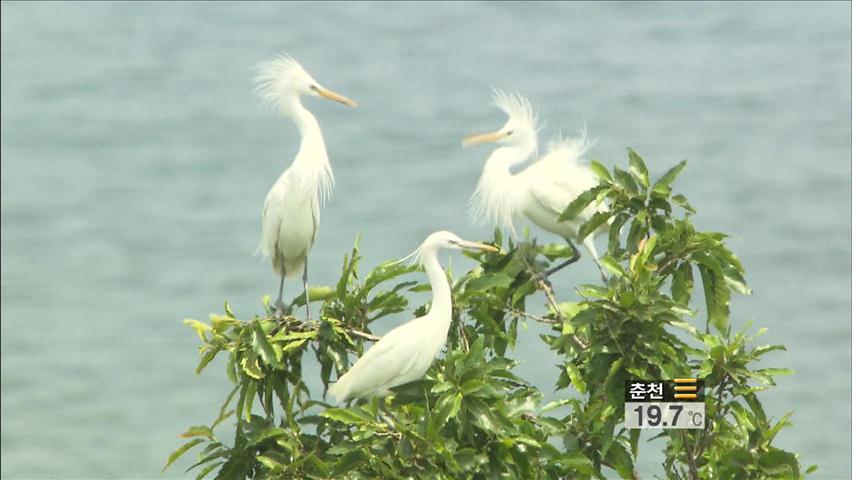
(135,159)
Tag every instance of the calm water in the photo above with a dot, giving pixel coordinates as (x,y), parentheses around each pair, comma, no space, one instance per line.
(135,160)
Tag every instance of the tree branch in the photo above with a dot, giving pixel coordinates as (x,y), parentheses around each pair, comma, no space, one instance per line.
(364,335)
(545,287)
(690,456)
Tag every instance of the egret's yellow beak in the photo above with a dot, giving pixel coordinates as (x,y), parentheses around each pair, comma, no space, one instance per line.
(478,246)
(326,93)
(482,138)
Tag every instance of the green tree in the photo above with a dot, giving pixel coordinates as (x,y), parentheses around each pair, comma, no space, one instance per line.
(471,416)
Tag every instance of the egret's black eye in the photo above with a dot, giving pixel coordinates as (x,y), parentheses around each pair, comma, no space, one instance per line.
(314,88)
(509,132)
(452,242)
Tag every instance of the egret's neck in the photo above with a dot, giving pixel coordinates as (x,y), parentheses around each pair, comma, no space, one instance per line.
(311,163)
(497,167)
(495,199)
(442,302)
(312,142)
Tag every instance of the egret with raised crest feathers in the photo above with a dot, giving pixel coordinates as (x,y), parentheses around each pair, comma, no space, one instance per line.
(291,213)
(406,352)
(542,190)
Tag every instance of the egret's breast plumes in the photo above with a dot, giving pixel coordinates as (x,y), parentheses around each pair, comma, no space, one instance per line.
(494,202)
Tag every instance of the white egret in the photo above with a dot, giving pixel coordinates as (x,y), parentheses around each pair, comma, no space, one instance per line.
(406,352)
(291,213)
(542,190)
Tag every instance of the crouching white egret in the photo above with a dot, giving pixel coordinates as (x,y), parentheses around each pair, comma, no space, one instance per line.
(541,191)
(406,352)
(291,213)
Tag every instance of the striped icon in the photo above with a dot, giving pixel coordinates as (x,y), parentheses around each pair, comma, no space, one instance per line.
(686,385)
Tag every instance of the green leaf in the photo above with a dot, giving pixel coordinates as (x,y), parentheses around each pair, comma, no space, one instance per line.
(775,371)
(682,283)
(206,470)
(638,168)
(763,349)
(576,379)
(447,407)
(580,203)
(348,462)
(261,345)
(610,264)
(180,451)
(579,462)
(260,436)
(779,462)
(228,311)
(344,415)
(287,336)
(200,328)
(625,181)
(220,323)
(206,358)
(553,251)
(598,219)
(634,442)
(600,170)
(716,295)
(670,176)
(681,201)
(250,365)
(620,460)
(197,431)
(270,463)
(490,281)
(251,391)
(615,232)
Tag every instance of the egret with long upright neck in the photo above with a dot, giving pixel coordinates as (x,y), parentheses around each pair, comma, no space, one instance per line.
(406,352)
(542,190)
(291,213)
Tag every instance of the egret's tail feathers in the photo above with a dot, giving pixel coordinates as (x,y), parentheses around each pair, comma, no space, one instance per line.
(260,251)
(339,390)
(590,246)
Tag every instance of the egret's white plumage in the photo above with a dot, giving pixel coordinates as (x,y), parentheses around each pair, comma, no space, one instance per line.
(291,213)
(406,352)
(542,190)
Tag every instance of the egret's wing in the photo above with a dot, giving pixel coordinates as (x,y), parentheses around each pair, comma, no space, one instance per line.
(556,180)
(555,185)
(389,359)
(271,218)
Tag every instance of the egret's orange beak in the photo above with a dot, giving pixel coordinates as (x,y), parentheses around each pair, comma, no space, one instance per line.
(482,138)
(478,246)
(326,93)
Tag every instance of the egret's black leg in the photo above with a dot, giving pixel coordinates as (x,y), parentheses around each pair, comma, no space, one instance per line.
(575,256)
(307,297)
(280,306)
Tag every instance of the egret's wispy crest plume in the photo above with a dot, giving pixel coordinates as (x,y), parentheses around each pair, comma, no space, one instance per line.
(413,258)
(516,106)
(273,79)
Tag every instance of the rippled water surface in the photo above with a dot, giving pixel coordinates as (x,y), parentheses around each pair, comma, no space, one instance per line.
(135,159)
